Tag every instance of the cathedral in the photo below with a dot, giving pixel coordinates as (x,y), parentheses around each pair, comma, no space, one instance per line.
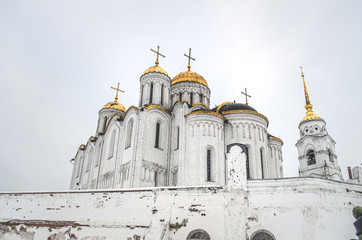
(173,138)
(173,168)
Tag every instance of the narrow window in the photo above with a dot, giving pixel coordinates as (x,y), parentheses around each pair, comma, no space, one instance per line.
(191,98)
(178,138)
(157,139)
(141,103)
(208,165)
(201,98)
(330,156)
(180,97)
(247,163)
(262,164)
(104,124)
(171,100)
(151,93)
(156,178)
(162,94)
(310,157)
(129,133)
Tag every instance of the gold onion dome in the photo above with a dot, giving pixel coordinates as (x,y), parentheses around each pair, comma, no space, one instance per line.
(310,115)
(114,105)
(155,69)
(189,76)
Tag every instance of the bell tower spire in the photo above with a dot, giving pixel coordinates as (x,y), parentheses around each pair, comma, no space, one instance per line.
(308,105)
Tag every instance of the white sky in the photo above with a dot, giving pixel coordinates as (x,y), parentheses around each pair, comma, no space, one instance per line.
(58,60)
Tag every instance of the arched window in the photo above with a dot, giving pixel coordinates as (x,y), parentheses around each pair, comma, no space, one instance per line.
(262,163)
(141,95)
(171,100)
(198,234)
(104,124)
(111,145)
(310,157)
(129,133)
(156,178)
(247,163)
(201,98)
(151,93)
(180,95)
(209,164)
(262,235)
(157,136)
(191,98)
(177,138)
(162,94)
(330,155)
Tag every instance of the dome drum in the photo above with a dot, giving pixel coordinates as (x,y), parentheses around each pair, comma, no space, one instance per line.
(154,87)
(190,92)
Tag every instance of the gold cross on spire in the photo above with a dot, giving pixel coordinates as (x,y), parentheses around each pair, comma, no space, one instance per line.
(158,54)
(190,58)
(307,102)
(246,96)
(117,90)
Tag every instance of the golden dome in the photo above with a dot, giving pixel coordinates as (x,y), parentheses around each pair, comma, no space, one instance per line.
(310,114)
(155,69)
(114,105)
(189,76)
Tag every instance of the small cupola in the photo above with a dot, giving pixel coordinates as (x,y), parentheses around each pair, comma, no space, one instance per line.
(155,84)
(109,110)
(190,86)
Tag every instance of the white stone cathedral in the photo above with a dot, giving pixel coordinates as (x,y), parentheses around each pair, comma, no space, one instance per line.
(174,169)
(173,138)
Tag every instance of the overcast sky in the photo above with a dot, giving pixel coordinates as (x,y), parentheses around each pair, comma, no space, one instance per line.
(58,60)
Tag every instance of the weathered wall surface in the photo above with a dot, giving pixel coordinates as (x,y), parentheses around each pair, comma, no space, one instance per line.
(298,208)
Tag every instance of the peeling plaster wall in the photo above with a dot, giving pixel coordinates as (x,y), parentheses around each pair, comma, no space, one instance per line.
(298,208)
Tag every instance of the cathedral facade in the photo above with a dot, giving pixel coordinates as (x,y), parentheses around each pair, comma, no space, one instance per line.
(174,138)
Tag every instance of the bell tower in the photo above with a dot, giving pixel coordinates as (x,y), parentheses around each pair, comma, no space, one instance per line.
(316,148)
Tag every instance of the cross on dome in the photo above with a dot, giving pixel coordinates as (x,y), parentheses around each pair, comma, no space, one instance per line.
(190,58)
(158,54)
(246,96)
(117,90)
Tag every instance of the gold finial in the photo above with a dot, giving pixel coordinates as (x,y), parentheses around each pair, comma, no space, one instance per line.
(308,106)
(190,58)
(305,88)
(246,96)
(117,90)
(158,54)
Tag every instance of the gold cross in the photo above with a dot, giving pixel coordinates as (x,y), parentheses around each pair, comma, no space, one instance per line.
(246,96)
(190,58)
(158,54)
(117,90)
